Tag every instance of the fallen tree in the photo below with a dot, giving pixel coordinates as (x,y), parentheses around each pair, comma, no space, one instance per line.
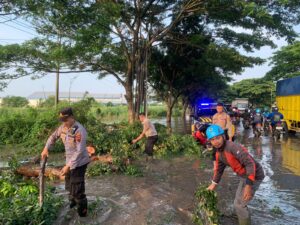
(31,169)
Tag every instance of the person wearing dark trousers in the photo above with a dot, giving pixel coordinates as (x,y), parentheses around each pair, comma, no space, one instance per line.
(149,132)
(73,136)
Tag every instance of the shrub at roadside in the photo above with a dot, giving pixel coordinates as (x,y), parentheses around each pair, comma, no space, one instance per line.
(31,129)
(19,202)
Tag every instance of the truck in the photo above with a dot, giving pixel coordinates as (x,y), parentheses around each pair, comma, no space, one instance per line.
(288,102)
(241,104)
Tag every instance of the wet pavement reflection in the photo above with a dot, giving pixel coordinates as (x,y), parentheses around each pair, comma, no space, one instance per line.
(165,194)
(278,199)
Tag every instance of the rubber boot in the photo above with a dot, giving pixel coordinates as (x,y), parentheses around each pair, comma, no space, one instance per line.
(245,221)
(82,207)
(72,203)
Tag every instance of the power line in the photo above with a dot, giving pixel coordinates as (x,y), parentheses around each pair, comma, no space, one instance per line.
(23,23)
(24,26)
(16,19)
(19,23)
(19,29)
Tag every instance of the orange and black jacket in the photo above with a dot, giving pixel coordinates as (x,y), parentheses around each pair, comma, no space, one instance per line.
(242,163)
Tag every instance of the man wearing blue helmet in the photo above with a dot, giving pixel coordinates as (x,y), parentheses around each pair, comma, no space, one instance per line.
(238,158)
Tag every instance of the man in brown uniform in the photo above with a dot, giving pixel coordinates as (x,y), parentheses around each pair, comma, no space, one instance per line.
(74,136)
(150,132)
(222,119)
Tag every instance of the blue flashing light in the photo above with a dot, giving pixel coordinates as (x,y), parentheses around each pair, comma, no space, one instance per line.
(204,103)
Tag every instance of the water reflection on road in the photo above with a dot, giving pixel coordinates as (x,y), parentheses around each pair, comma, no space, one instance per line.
(281,187)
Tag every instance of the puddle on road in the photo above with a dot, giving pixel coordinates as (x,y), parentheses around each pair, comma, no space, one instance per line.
(165,194)
(281,186)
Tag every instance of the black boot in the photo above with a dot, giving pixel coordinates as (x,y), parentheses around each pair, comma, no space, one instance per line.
(82,207)
(72,204)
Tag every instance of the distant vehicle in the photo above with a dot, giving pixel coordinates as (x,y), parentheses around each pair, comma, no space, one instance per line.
(204,112)
(241,104)
(288,102)
(227,106)
(279,130)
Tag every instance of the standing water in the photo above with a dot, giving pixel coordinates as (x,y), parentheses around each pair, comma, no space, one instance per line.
(278,199)
(165,194)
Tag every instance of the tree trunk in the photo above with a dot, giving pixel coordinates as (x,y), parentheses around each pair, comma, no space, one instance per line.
(130,104)
(169,116)
(57,87)
(170,105)
(185,107)
(128,85)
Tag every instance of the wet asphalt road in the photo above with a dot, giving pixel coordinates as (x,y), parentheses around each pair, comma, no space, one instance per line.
(167,187)
(278,199)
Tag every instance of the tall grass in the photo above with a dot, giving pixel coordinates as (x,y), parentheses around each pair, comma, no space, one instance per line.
(121,111)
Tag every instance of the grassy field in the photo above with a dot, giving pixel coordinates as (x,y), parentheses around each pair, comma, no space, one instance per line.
(99,110)
(28,128)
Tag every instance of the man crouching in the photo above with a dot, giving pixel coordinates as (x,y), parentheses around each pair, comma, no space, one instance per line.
(238,158)
(73,136)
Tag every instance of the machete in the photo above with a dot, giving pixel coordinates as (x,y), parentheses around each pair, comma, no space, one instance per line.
(42,181)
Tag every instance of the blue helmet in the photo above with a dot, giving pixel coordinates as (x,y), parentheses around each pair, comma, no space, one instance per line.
(214,131)
(257,111)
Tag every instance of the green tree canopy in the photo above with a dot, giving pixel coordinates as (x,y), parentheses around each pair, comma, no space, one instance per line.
(285,62)
(14,101)
(116,37)
(260,92)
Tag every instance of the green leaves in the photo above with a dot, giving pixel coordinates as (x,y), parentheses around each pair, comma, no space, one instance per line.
(14,101)
(258,91)
(206,212)
(134,171)
(7,189)
(286,63)
(19,203)
(97,169)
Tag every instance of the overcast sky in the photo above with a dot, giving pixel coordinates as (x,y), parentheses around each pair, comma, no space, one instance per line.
(18,31)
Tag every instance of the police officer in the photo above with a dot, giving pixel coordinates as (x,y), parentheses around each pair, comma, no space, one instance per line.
(73,136)
(222,119)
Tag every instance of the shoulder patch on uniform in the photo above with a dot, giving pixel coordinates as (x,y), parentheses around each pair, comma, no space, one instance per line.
(74,129)
(78,137)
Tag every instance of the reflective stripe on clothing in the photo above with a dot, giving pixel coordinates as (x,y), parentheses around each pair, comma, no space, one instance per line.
(237,157)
